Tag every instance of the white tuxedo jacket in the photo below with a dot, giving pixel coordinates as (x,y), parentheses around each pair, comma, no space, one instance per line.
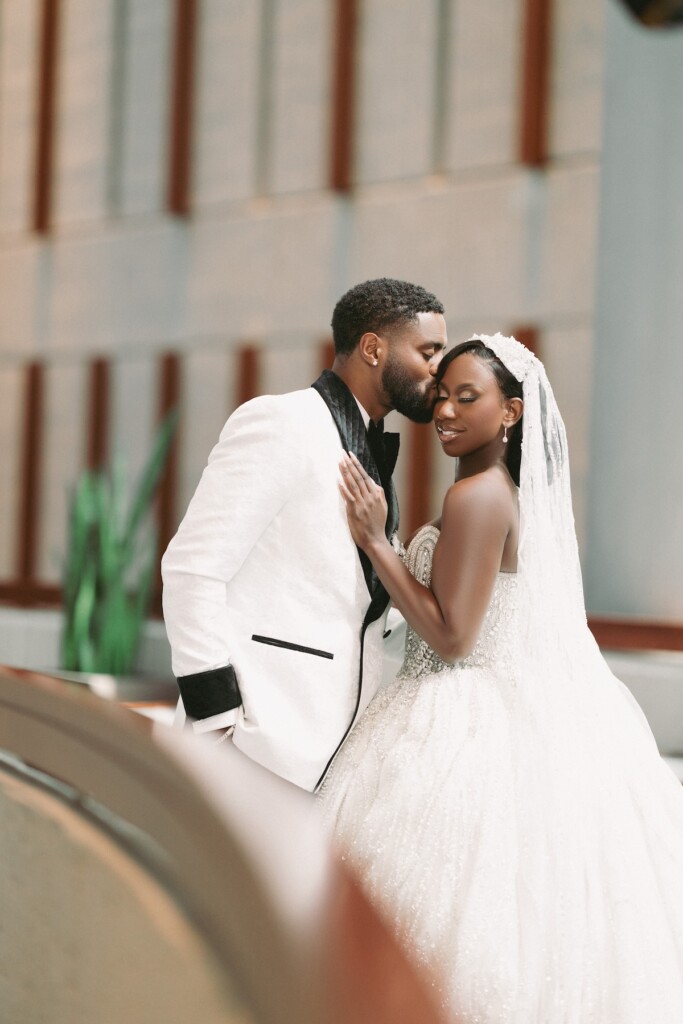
(263,578)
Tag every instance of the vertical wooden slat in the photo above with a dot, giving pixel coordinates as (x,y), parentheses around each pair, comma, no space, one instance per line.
(420,463)
(31,461)
(343,96)
(326,350)
(169,398)
(248,373)
(182,103)
(98,414)
(45,114)
(534,93)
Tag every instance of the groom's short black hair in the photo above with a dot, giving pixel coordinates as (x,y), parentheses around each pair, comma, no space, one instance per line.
(375,306)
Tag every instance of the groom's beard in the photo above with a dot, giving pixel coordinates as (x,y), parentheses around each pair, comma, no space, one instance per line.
(416,401)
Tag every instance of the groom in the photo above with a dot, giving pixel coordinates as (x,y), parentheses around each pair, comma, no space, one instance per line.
(275,618)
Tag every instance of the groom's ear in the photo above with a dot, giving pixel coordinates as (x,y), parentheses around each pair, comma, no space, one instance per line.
(370,348)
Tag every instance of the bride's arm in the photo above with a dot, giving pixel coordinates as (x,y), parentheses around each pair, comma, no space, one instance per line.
(474,527)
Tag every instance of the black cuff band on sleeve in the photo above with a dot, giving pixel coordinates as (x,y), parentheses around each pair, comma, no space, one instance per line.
(210,693)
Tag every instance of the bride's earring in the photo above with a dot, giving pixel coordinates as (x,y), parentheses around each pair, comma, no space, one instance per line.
(505,435)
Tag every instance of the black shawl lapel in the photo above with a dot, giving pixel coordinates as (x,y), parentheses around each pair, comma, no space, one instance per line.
(348,419)
(349,422)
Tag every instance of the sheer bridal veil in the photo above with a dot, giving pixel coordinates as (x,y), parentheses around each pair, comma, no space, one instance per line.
(553,633)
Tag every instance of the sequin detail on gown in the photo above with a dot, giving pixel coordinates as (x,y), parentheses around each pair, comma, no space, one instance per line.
(497,643)
(526,846)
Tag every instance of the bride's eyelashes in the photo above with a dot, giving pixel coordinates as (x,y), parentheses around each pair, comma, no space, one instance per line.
(460,398)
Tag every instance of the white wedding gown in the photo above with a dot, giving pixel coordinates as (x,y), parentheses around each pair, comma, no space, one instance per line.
(525,840)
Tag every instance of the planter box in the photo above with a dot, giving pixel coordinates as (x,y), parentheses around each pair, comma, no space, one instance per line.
(30,639)
(124,689)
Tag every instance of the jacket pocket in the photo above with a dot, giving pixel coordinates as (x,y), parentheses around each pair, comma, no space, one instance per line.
(291,647)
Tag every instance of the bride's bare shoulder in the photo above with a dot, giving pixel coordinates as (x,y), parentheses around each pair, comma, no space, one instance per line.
(489,491)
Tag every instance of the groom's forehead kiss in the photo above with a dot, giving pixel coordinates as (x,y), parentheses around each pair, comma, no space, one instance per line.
(427,334)
(423,339)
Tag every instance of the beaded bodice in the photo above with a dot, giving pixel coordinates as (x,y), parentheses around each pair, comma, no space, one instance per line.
(497,643)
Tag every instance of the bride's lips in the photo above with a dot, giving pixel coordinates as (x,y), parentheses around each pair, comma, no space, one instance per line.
(447,433)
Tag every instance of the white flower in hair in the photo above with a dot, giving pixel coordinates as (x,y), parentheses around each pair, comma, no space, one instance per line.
(517,358)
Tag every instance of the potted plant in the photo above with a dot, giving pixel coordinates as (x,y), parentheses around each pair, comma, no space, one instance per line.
(109,573)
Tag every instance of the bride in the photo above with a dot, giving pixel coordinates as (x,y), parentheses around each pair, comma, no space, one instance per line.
(503,799)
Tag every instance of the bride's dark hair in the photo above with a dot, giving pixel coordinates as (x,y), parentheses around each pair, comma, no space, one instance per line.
(509,386)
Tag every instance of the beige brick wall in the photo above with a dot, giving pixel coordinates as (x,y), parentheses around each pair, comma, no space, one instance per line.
(83,112)
(268,248)
(18,24)
(483,84)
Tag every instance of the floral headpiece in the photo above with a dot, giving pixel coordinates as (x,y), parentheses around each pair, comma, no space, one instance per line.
(517,358)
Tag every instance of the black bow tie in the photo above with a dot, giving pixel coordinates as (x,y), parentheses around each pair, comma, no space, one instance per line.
(384,447)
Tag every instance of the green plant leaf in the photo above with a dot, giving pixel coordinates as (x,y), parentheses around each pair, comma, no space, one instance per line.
(109,568)
(152,472)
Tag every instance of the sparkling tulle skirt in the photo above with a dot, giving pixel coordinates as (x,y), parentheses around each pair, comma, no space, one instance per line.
(525,845)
